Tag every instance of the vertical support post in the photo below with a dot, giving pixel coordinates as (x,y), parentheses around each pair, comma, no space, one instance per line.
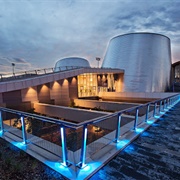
(83,148)
(23,130)
(160,105)
(147,112)
(154,113)
(1,122)
(164,105)
(64,148)
(136,118)
(168,104)
(118,128)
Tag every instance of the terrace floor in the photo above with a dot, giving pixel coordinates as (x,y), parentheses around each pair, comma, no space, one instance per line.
(99,159)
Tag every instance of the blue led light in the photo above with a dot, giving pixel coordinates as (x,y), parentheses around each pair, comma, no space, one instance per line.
(87,168)
(63,147)
(139,130)
(84,148)
(157,117)
(122,143)
(57,166)
(20,145)
(149,122)
(1,133)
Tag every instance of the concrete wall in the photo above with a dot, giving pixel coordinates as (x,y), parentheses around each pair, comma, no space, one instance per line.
(29,94)
(73,88)
(73,114)
(112,106)
(43,92)
(58,92)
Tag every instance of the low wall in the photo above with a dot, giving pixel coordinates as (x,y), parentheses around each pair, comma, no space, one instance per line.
(111,106)
(72,114)
(79,115)
(141,97)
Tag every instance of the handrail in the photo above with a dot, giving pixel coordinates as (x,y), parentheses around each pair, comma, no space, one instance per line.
(78,125)
(37,72)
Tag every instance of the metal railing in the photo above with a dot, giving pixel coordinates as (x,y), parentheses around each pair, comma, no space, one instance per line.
(74,140)
(37,72)
(32,73)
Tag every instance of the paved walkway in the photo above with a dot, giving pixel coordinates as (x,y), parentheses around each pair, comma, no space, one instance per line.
(154,155)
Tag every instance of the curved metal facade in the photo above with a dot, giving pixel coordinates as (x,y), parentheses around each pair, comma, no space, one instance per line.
(71,61)
(146,59)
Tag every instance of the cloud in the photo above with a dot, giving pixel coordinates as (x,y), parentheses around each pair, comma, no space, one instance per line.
(20,64)
(41,32)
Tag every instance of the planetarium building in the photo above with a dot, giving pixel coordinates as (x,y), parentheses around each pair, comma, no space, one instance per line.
(146,59)
(71,62)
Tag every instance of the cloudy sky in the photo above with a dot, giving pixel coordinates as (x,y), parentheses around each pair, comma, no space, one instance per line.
(36,33)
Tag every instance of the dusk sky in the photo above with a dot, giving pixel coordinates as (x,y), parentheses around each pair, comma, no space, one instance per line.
(36,33)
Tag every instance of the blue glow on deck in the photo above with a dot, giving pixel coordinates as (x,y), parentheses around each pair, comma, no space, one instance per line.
(149,122)
(157,116)
(1,133)
(129,149)
(122,143)
(20,145)
(155,125)
(90,167)
(139,130)
(57,166)
(145,134)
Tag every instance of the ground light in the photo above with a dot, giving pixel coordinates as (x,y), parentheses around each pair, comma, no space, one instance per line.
(57,166)
(123,143)
(1,133)
(157,116)
(88,169)
(139,130)
(149,122)
(20,145)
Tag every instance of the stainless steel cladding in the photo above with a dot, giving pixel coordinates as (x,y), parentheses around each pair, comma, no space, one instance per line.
(71,62)
(146,59)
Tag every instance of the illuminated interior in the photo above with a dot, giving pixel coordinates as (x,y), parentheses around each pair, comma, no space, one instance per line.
(90,84)
(177,72)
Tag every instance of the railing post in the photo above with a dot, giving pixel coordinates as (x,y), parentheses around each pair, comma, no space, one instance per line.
(64,148)
(154,113)
(164,105)
(136,118)
(83,148)
(160,105)
(118,127)
(23,130)
(1,122)
(168,104)
(147,112)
